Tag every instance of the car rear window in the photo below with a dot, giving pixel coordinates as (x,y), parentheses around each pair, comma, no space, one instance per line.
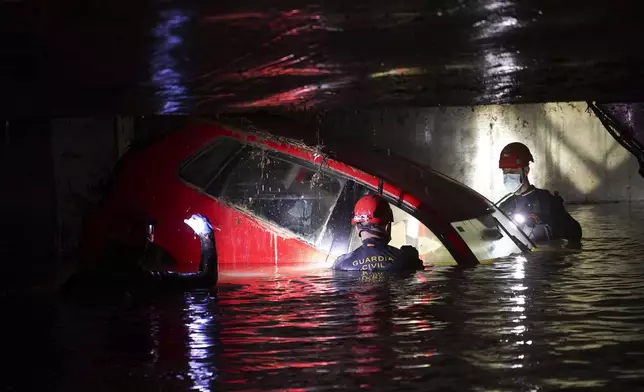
(202,168)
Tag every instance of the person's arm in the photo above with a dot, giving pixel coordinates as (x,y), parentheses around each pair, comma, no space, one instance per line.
(567,227)
(411,257)
(337,264)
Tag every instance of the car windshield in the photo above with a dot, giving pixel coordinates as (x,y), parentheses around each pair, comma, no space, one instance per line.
(483,227)
(490,236)
(486,236)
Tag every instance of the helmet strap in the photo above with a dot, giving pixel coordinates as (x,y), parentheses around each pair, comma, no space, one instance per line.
(524,178)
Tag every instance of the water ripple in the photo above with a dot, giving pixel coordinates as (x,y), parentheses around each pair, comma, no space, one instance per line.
(545,321)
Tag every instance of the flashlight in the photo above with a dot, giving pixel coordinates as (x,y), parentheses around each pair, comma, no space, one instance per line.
(198,224)
(150,232)
(519,218)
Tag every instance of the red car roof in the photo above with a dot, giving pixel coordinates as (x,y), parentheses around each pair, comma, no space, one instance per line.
(447,197)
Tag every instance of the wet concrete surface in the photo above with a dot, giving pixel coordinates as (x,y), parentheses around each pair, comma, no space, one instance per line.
(546,321)
(93,57)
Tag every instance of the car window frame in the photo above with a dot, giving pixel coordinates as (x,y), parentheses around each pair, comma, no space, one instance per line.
(342,213)
(202,151)
(403,206)
(217,185)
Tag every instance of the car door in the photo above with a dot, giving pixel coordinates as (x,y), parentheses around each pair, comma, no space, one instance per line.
(272,208)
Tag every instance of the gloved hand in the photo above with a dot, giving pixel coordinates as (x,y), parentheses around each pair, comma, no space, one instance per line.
(558,197)
(532,221)
(413,256)
(573,245)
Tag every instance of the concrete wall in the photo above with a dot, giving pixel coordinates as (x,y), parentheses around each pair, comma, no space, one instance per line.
(84,152)
(573,153)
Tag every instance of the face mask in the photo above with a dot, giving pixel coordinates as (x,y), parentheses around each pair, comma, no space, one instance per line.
(512,182)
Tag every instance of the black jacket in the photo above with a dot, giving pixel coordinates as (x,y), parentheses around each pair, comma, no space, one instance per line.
(376,255)
(545,216)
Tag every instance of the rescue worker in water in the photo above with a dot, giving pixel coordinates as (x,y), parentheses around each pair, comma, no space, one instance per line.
(372,217)
(540,214)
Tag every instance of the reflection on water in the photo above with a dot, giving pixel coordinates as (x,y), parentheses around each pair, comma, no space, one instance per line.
(164,66)
(540,322)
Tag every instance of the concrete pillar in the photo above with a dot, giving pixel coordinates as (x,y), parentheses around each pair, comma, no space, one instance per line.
(124,130)
(84,152)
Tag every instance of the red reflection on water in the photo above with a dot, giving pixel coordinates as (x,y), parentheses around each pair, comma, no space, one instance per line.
(284,66)
(282,365)
(366,370)
(368,305)
(300,97)
(366,310)
(281,24)
(303,97)
(290,330)
(278,22)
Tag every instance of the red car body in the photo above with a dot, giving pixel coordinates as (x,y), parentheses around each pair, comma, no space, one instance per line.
(248,176)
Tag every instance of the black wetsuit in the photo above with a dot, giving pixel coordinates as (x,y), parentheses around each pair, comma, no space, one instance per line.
(375,255)
(545,215)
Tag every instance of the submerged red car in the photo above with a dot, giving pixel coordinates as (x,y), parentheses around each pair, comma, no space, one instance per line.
(277,203)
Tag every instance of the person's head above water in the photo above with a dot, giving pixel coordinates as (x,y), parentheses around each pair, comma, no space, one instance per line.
(372,217)
(515,162)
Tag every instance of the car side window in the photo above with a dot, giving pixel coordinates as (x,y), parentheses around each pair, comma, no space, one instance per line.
(201,169)
(283,190)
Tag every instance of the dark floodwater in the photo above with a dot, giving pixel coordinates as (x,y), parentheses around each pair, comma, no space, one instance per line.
(542,322)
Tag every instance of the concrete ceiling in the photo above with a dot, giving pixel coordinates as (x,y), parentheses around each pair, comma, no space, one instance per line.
(81,57)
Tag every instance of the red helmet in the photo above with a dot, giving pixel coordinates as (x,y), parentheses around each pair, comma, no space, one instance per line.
(515,156)
(372,209)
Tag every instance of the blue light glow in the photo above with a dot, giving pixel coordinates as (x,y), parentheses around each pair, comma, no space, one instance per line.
(165,76)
